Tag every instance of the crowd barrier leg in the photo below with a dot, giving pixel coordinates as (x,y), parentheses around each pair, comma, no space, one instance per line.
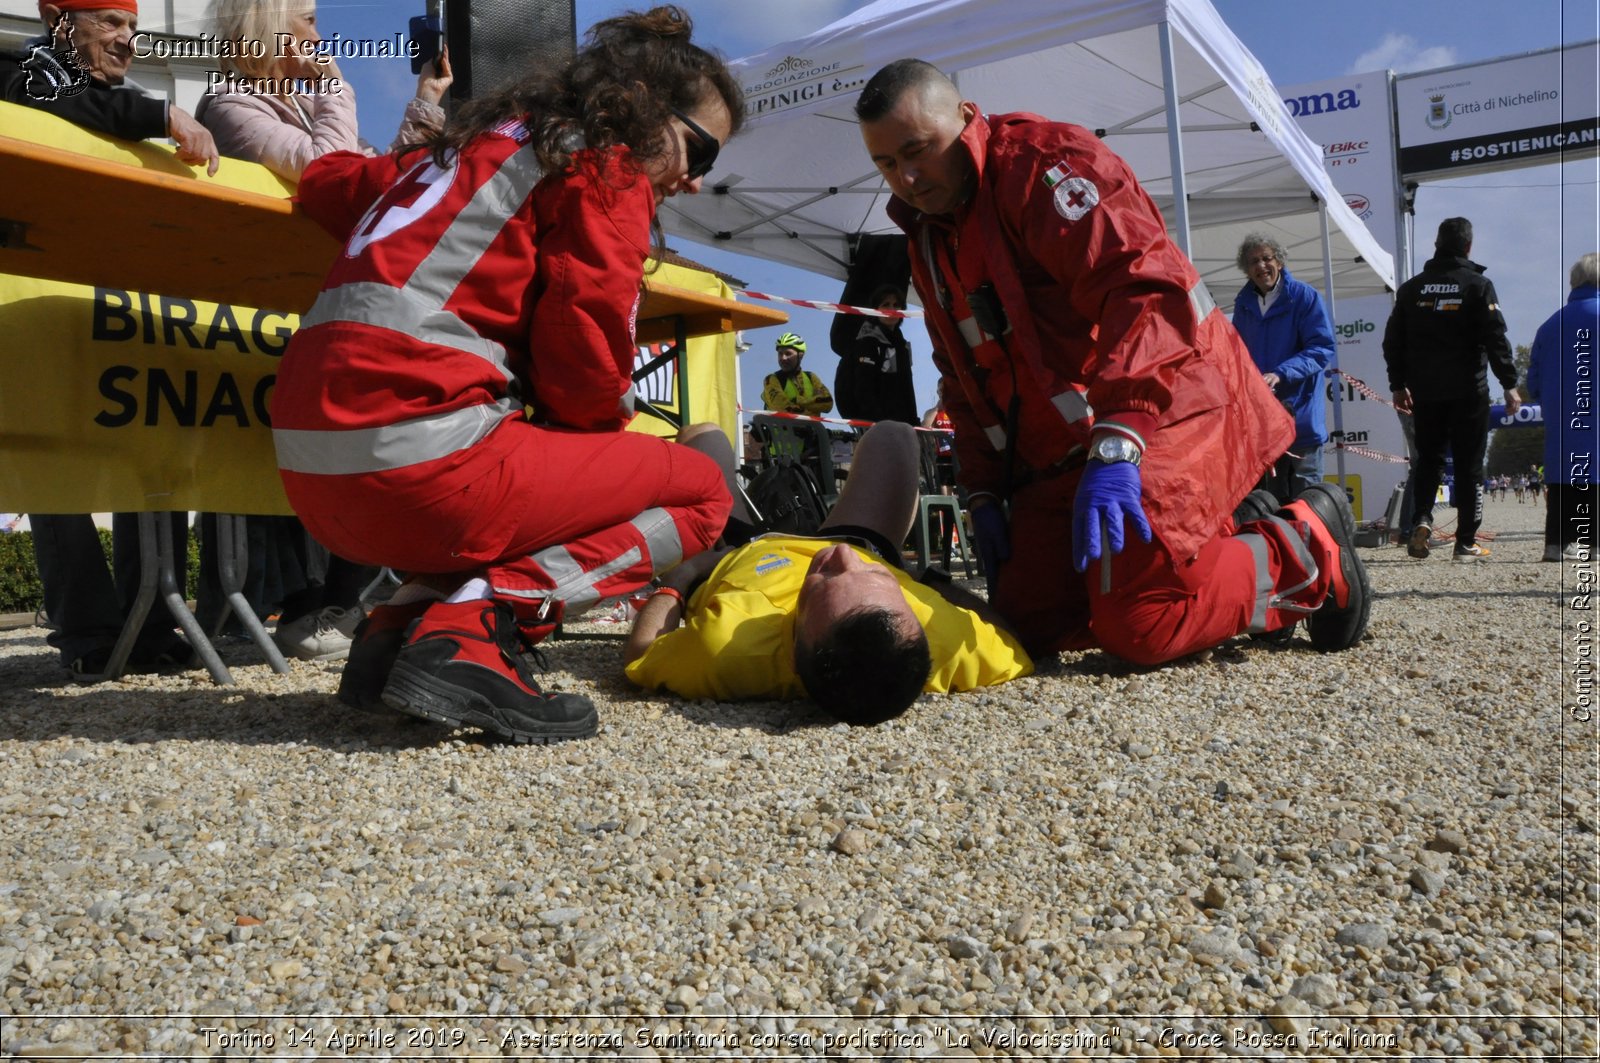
(141,601)
(369,593)
(166,574)
(157,571)
(233,545)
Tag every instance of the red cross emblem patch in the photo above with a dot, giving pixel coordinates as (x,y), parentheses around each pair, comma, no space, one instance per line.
(1075,197)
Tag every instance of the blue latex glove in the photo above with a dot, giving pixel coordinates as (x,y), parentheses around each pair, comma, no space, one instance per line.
(994,539)
(1108,492)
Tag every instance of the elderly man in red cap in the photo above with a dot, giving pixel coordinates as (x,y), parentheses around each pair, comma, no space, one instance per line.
(79,72)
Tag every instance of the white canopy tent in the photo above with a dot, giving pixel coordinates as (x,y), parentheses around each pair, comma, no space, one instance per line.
(796,185)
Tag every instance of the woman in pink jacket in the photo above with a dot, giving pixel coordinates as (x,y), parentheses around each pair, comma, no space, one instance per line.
(282,105)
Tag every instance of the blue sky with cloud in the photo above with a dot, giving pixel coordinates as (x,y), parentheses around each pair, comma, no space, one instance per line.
(1530,223)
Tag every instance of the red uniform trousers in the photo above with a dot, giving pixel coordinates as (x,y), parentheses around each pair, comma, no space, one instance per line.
(540,513)
(1158,609)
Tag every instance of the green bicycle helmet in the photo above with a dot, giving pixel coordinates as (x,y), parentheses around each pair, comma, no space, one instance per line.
(789,339)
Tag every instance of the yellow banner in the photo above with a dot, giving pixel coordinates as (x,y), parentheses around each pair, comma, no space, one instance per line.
(114,400)
(119,400)
(708,365)
(122,401)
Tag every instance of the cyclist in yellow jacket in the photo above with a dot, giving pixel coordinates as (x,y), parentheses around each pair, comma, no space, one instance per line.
(792,389)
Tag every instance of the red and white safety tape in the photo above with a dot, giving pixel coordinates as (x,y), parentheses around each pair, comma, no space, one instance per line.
(837,308)
(827,420)
(1363,387)
(1374,455)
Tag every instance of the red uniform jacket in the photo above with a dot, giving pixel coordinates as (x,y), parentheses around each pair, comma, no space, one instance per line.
(463,293)
(1110,324)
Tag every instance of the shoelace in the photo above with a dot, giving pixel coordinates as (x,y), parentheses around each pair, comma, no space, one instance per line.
(328,621)
(535,656)
(521,656)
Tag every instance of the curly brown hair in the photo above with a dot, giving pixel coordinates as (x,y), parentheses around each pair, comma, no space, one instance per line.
(620,88)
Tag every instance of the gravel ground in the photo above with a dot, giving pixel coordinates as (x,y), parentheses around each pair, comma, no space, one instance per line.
(1257,852)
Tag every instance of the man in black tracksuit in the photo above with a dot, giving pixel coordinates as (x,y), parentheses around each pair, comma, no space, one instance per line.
(1445,327)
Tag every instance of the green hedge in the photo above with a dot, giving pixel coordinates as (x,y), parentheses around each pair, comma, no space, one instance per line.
(20,590)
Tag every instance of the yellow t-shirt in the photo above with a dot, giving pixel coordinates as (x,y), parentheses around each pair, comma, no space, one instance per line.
(737,640)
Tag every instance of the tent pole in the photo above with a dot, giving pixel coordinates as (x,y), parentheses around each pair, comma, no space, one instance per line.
(1338,391)
(1180,193)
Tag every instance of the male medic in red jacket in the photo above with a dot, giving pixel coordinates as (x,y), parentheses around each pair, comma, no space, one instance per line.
(1094,388)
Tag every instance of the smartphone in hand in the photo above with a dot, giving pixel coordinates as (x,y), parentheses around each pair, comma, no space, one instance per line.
(427,35)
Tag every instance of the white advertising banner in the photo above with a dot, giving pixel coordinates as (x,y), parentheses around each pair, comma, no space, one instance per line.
(1509,112)
(1374,445)
(1349,118)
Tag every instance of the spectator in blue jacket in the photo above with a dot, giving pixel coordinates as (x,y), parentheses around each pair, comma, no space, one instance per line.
(1285,325)
(1564,355)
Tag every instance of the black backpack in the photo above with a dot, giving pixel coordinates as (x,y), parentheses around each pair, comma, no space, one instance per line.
(786,498)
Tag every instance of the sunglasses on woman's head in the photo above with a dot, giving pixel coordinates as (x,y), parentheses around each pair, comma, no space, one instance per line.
(702,148)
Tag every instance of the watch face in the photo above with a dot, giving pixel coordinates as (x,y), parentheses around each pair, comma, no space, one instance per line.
(1115,448)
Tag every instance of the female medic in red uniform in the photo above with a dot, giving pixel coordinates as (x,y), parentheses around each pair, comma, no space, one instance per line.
(453,406)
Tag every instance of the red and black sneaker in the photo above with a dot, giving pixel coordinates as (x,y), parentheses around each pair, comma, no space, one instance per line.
(1257,505)
(1341,620)
(462,664)
(373,649)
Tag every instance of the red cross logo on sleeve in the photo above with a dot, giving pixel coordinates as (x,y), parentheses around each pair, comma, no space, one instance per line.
(1075,197)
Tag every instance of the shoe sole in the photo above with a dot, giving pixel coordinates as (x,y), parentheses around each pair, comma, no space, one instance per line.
(316,658)
(1355,575)
(1257,505)
(1469,559)
(418,693)
(1281,637)
(1417,545)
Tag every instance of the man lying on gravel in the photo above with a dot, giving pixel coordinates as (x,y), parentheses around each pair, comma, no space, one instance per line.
(834,616)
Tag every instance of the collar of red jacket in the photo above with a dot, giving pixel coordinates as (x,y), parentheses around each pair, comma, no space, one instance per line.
(974,139)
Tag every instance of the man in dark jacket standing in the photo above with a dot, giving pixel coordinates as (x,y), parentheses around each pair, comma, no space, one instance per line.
(873,382)
(1446,328)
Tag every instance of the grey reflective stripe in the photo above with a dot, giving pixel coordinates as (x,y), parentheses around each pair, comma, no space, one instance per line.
(661,538)
(1200,299)
(997,436)
(345,452)
(400,310)
(1259,555)
(476,227)
(418,310)
(1302,553)
(576,587)
(972,334)
(1071,404)
(559,565)
(968,327)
